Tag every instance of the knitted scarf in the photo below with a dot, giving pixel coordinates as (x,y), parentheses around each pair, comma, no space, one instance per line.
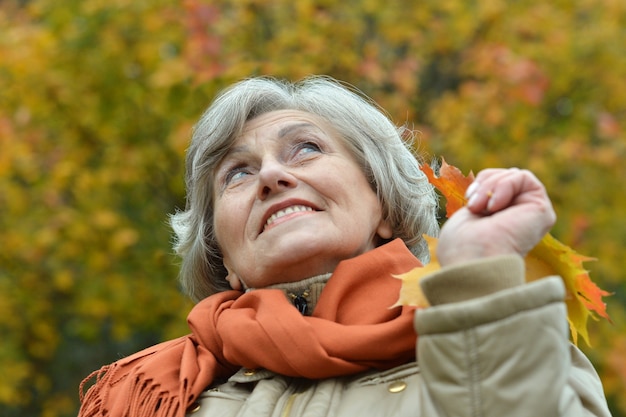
(352,329)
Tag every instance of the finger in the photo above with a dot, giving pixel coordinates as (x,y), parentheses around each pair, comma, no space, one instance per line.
(517,186)
(506,188)
(495,190)
(483,192)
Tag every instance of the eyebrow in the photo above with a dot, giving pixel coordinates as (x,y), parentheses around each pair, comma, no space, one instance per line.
(281,133)
(288,129)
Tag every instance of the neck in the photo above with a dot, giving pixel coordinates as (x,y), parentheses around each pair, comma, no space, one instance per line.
(303,294)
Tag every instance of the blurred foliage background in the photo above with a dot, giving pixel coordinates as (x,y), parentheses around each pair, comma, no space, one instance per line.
(98,98)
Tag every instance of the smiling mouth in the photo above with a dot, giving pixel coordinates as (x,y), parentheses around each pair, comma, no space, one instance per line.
(284,212)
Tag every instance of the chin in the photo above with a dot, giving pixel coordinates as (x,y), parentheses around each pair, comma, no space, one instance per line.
(296,262)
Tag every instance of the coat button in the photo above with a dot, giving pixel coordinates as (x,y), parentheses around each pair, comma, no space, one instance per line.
(193,408)
(249,372)
(397,386)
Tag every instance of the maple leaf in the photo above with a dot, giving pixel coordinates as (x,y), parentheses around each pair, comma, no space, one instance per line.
(548,257)
(583,297)
(410,291)
(451,183)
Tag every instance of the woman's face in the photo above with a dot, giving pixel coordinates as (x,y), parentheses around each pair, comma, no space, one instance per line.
(291,202)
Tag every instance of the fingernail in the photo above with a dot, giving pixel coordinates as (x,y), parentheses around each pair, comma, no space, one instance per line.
(471,189)
(472,199)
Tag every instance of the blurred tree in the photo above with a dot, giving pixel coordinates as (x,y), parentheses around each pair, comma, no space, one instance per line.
(92,140)
(99,98)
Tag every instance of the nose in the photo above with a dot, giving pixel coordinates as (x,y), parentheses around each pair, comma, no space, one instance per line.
(274,177)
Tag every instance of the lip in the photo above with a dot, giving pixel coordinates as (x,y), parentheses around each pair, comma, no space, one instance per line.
(282,205)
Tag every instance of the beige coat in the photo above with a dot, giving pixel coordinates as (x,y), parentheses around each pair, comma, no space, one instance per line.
(490,345)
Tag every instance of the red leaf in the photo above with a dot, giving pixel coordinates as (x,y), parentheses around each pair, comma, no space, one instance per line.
(451,183)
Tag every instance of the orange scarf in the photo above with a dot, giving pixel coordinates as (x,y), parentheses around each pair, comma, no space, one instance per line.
(352,329)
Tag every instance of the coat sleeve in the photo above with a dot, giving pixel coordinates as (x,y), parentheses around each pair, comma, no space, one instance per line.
(493,345)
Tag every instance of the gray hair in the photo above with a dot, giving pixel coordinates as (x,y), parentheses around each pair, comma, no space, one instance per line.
(409,202)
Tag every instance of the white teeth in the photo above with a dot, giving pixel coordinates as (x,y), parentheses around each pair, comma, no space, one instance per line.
(285,211)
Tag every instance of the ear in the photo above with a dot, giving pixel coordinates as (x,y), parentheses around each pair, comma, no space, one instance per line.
(233,279)
(384,230)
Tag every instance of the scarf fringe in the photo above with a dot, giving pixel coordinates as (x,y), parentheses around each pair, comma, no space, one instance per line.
(91,401)
(148,398)
(151,401)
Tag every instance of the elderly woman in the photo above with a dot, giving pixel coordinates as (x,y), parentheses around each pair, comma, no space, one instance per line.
(303,203)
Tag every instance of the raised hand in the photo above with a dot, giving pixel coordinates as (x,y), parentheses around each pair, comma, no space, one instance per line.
(508,212)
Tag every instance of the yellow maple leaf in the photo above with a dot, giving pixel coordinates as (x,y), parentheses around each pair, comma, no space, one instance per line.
(583,297)
(548,257)
(410,291)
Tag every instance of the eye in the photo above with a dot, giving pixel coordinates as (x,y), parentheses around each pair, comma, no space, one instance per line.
(306,147)
(236,173)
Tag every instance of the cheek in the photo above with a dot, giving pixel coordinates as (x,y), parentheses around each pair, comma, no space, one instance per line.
(230,221)
(224,223)
(369,206)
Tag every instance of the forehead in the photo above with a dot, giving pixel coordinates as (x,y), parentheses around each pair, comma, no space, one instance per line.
(282,122)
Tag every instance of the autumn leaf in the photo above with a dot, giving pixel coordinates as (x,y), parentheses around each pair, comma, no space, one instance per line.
(583,297)
(452,184)
(548,257)
(410,291)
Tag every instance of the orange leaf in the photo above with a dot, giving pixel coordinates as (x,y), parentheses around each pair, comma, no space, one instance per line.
(583,297)
(452,184)
(549,257)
